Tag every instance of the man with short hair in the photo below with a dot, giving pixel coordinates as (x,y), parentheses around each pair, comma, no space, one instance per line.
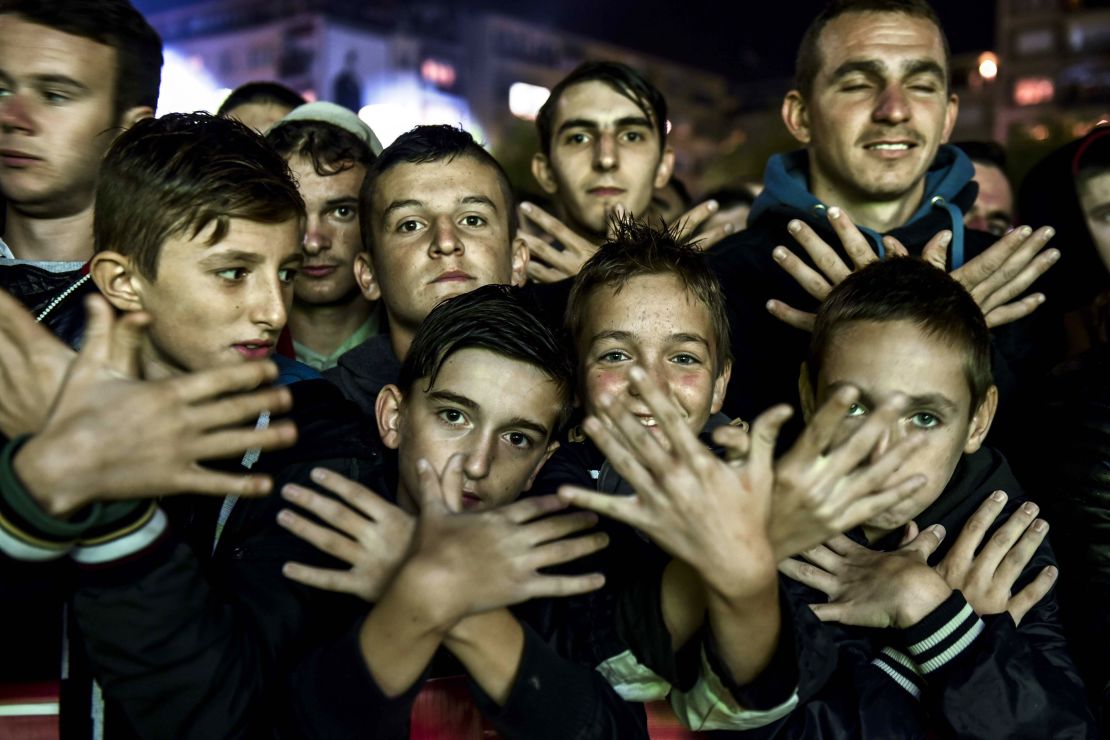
(259,105)
(72,74)
(872,106)
(993,209)
(437,218)
(329,150)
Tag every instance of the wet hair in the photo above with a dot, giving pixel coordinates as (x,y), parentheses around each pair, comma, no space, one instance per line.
(621,78)
(909,289)
(988,152)
(262,93)
(426,145)
(331,148)
(808,62)
(175,175)
(638,249)
(496,318)
(114,23)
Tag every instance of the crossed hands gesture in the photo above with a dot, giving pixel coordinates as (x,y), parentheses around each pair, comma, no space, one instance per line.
(994,278)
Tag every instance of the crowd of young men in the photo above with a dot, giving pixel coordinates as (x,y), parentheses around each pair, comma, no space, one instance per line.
(305,437)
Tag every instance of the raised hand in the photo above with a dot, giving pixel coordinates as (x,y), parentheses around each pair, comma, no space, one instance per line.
(986,575)
(478,561)
(871,588)
(689,223)
(109,436)
(1002,272)
(547,264)
(33,364)
(369,533)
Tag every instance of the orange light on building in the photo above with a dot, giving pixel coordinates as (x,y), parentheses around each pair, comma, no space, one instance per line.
(1034,91)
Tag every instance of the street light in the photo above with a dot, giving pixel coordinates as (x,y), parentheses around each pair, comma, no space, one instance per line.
(988,66)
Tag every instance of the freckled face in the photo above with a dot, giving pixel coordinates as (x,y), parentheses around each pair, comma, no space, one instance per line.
(653,322)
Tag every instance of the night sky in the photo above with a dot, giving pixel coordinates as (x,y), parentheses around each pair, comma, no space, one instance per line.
(741,39)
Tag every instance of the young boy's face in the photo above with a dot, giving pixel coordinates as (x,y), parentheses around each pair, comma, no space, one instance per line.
(221,304)
(499,412)
(884,358)
(655,323)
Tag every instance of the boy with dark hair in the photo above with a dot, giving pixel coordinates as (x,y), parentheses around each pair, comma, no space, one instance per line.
(329,150)
(72,74)
(482,395)
(180,606)
(697,611)
(603,152)
(437,220)
(260,105)
(970,645)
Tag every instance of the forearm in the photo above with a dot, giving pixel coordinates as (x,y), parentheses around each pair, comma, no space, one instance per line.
(489,646)
(405,628)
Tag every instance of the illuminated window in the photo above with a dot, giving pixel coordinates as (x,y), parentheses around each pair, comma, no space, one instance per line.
(1034,90)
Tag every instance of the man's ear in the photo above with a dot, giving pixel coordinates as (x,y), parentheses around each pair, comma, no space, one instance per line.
(807,393)
(720,385)
(796,116)
(118,280)
(545,176)
(364,276)
(665,169)
(131,116)
(520,257)
(981,421)
(950,113)
(539,465)
(387,410)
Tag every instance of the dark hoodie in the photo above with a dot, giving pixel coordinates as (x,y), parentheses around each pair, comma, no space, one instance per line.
(769,353)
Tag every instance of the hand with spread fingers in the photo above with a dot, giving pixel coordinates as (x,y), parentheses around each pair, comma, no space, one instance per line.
(688,224)
(986,573)
(547,263)
(363,530)
(33,364)
(872,588)
(994,278)
(160,431)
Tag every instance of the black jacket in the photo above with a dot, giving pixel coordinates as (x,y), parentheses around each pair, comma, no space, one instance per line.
(54,298)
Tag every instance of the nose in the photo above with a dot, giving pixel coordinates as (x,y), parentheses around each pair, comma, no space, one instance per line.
(892,106)
(445,237)
(889,438)
(480,457)
(270,303)
(317,237)
(15,114)
(605,152)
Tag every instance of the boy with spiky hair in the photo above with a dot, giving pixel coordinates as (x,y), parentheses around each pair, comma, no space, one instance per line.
(937,604)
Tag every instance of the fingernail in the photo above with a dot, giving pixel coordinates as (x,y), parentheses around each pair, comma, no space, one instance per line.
(834,212)
(1025,232)
(711,206)
(285,516)
(1052,572)
(1030,508)
(637,373)
(604,400)
(319,474)
(526,207)
(290,493)
(1040,525)
(946,238)
(423,465)
(998,496)
(938,529)
(1053,255)
(794,226)
(779,254)
(1049,232)
(729,228)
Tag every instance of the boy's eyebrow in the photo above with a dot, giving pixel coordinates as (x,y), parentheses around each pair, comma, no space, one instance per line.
(344,201)
(233,255)
(869,67)
(478,200)
(414,203)
(535,426)
(934,400)
(60,80)
(922,67)
(594,125)
(614,334)
(688,337)
(453,398)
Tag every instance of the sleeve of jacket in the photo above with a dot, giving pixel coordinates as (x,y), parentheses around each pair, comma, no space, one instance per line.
(194,648)
(554,698)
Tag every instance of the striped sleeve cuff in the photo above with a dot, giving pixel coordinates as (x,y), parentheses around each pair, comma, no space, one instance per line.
(901,669)
(137,530)
(943,635)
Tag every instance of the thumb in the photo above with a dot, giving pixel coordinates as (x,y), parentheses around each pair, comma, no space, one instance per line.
(936,251)
(429,495)
(910,534)
(125,343)
(926,542)
(452,482)
(98,330)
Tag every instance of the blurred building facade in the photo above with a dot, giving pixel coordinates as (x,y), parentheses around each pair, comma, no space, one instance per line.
(400,64)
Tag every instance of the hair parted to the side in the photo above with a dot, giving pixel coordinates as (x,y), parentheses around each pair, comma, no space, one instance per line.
(331,149)
(260,92)
(114,23)
(425,145)
(909,289)
(638,249)
(618,76)
(495,318)
(176,175)
(808,62)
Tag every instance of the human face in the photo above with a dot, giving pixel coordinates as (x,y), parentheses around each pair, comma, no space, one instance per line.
(56,116)
(332,238)
(441,229)
(666,204)
(604,152)
(885,358)
(655,323)
(259,116)
(993,210)
(1094,199)
(878,110)
(218,305)
(498,412)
